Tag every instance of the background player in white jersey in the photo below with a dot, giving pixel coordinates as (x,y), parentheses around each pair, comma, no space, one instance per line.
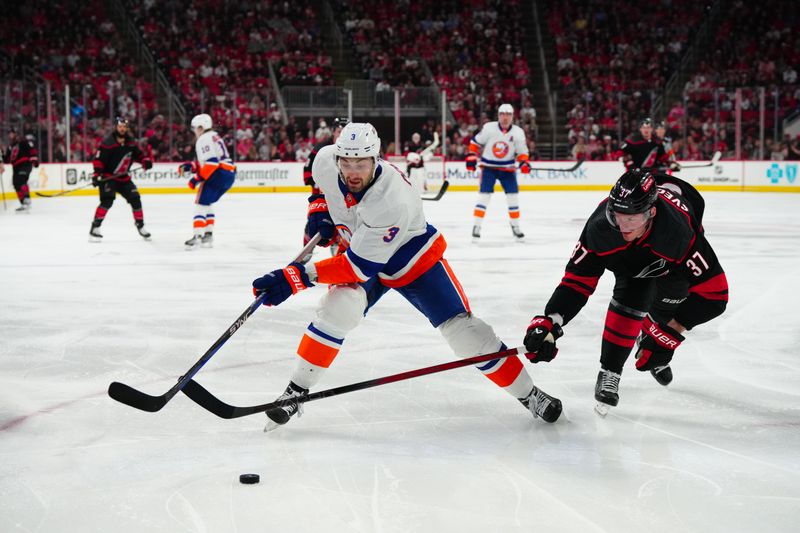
(501,147)
(389,245)
(213,173)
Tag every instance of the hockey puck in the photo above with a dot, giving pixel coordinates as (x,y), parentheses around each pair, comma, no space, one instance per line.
(249,479)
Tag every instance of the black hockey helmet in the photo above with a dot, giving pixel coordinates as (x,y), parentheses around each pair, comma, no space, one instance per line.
(340,122)
(121,120)
(635,192)
(661,124)
(646,121)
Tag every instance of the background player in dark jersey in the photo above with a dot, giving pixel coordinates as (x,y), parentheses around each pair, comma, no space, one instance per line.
(114,157)
(328,233)
(668,164)
(22,156)
(649,234)
(642,149)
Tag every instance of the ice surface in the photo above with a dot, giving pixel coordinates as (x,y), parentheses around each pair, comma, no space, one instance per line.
(717,451)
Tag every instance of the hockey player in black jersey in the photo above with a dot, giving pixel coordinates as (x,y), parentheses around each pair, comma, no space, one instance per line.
(642,149)
(114,157)
(22,156)
(649,233)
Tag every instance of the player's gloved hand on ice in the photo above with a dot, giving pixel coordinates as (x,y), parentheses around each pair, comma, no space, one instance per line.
(279,284)
(540,339)
(472,163)
(319,220)
(657,345)
(525,167)
(194,182)
(674,166)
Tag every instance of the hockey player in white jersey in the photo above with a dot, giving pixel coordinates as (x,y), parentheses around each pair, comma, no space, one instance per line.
(499,149)
(212,174)
(389,245)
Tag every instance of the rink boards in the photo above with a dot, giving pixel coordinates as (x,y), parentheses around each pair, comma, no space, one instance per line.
(751,176)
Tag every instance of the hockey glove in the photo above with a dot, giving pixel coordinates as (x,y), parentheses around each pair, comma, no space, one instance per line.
(472,163)
(675,166)
(190,167)
(279,284)
(657,345)
(540,339)
(319,220)
(147,163)
(308,179)
(95,180)
(525,167)
(193,183)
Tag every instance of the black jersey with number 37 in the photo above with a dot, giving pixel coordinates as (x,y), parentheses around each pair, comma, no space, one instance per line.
(674,245)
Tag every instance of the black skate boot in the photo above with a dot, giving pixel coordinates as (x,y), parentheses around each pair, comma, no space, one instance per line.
(606,391)
(542,405)
(142,231)
(208,240)
(476,233)
(280,415)
(94,233)
(518,233)
(193,243)
(663,375)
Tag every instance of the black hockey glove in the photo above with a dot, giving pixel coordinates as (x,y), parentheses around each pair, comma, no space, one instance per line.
(540,339)
(319,220)
(675,166)
(95,180)
(657,345)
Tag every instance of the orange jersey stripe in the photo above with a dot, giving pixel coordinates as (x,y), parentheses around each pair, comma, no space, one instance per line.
(509,371)
(336,270)
(474,148)
(207,169)
(423,264)
(522,157)
(316,353)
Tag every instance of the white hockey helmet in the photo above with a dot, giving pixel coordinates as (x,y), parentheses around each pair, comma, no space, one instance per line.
(505,108)
(358,139)
(202,121)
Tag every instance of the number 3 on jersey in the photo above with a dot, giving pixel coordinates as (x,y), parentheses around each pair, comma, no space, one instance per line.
(391,234)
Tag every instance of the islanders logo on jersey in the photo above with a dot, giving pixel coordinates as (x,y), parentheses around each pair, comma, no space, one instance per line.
(500,149)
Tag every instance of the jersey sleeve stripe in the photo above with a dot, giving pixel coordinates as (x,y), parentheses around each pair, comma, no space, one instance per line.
(337,270)
(715,288)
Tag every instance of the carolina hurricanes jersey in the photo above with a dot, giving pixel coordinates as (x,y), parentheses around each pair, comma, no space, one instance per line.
(498,148)
(115,158)
(22,155)
(384,225)
(211,154)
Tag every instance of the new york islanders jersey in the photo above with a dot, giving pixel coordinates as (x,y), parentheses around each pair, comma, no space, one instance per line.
(384,225)
(500,148)
(212,154)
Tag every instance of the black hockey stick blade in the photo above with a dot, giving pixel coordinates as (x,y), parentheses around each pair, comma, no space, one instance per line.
(568,169)
(442,190)
(145,402)
(201,396)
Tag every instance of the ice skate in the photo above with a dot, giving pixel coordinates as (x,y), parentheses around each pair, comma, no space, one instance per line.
(25,207)
(662,374)
(208,240)
(606,391)
(517,233)
(142,231)
(95,235)
(193,243)
(476,233)
(280,415)
(542,405)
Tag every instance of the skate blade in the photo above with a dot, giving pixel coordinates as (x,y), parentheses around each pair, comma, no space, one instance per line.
(207,245)
(271,426)
(602,409)
(95,239)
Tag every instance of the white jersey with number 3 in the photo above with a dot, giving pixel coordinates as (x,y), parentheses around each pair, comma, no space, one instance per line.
(385,224)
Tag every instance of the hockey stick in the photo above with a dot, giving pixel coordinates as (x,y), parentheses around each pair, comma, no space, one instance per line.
(140,400)
(570,169)
(3,189)
(109,178)
(442,190)
(714,160)
(209,402)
